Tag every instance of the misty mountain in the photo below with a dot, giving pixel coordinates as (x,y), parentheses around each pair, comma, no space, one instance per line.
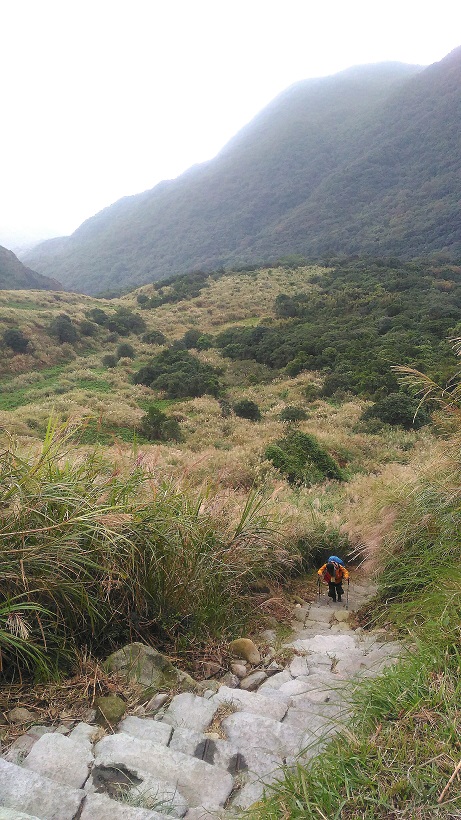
(367,161)
(15,276)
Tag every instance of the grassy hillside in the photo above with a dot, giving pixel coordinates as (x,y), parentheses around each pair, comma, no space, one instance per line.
(346,164)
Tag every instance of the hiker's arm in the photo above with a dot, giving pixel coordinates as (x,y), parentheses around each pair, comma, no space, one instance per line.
(346,574)
(321,571)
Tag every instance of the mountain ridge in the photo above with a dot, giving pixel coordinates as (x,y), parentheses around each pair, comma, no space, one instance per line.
(16,276)
(318,172)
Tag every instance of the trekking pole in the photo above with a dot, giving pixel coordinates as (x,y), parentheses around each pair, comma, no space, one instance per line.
(318,583)
(347,595)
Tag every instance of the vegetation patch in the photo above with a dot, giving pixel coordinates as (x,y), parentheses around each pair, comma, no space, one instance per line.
(302,460)
(179,374)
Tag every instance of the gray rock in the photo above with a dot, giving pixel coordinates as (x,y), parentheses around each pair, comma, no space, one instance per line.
(275,682)
(273,668)
(61,759)
(201,783)
(318,688)
(251,682)
(255,735)
(86,735)
(341,615)
(33,794)
(20,715)
(213,750)
(254,702)
(147,729)
(239,669)
(20,748)
(332,645)
(191,712)
(229,680)
(12,814)
(300,613)
(100,807)
(147,666)
(320,614)
(249,794)
(298,666)
(155,703)
(269,636)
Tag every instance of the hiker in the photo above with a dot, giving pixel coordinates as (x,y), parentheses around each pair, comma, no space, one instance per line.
(333,573)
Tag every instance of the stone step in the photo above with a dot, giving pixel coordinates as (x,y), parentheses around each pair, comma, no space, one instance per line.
(36,795)
(201,784)
(100,807)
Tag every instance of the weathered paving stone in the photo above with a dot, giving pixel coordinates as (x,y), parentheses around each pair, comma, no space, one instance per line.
(34,794)
(332,645)
(298,666)
(201,783)
(254,734)
(100,807)
(61,759)
(321,614)
(12,814)
(147,729)
(214,750)
(190,712)
(253,702)
(318,688)
(275,682)
(251,682)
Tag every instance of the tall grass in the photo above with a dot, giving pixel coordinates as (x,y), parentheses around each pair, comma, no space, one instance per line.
(93,557)
(397,756)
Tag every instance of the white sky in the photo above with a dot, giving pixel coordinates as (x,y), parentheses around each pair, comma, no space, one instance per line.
(104,98)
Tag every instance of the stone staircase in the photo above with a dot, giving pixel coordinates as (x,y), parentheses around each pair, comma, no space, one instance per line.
(201,757)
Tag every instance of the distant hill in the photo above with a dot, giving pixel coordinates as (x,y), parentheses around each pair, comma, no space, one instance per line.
(364,162)
(15,276)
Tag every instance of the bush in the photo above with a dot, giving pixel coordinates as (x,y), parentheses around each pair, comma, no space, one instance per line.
(125,351)
(62,329)
(15,339)
(154,337)
(179,374)
(109,360)
(87,328)
(293,413)
(157,426)
(247,409)
(397,409)
(302,460)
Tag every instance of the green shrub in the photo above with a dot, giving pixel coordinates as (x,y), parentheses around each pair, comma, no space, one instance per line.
(179,374)
(247,409)
(87,328)
(398,409)
(302,460)
(109,360)
(157,426)
(15,339)
(62,329)
(125,351)
(154,337)
(293,413)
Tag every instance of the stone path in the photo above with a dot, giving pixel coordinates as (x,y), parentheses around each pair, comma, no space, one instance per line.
(201,757)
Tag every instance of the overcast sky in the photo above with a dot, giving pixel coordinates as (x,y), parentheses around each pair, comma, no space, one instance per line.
(104,98)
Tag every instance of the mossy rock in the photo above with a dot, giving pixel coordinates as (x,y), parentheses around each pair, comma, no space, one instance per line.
(109,710)
(143,664)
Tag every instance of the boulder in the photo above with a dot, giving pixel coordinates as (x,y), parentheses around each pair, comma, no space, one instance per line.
(246,649)
(146,666)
